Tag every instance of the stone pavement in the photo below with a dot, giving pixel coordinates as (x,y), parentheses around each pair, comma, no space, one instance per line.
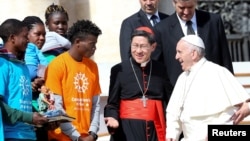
(103,138)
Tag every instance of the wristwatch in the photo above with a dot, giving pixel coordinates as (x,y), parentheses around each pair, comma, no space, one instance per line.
(93,134)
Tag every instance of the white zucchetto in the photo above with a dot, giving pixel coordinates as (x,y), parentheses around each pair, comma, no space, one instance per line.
(194,40)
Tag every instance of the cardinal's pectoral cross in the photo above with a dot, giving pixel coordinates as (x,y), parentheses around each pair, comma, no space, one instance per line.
(144,101)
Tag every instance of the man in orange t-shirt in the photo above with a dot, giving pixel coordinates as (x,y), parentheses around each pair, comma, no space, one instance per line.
(74,79)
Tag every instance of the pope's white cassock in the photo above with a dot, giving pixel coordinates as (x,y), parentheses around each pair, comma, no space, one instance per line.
(207,94)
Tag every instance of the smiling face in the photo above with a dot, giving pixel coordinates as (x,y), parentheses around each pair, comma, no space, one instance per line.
(58,22)
(185,8)
(185,55)
(141,49)
(149,6)
(37,35)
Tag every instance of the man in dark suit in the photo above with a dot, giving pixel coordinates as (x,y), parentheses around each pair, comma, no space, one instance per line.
(208,26)
(141,18)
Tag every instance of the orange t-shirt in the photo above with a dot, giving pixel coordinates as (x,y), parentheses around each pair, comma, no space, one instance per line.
(77,83)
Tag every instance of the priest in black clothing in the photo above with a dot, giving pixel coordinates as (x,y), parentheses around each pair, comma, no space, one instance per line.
(138,93)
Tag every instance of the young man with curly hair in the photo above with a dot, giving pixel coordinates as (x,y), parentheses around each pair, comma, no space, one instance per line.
(74,79)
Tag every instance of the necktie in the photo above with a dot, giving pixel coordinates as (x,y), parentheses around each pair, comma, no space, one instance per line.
(154,19)
(190,29)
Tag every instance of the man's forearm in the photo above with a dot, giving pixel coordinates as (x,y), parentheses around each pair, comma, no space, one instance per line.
(11,115)
(95,114)
(67,127)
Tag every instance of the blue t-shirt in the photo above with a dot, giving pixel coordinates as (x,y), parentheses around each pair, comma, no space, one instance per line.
(17,93)
(1,127)
(33,56)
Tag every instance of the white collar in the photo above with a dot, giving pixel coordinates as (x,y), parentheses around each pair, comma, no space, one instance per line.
(144,63)
(156,14)
(198,64)
(183,23)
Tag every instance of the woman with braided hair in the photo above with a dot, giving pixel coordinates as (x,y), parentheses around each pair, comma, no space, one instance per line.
(33,60)
(56,20)
(33,56)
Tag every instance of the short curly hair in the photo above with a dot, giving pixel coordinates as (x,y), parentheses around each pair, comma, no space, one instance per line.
(81,29)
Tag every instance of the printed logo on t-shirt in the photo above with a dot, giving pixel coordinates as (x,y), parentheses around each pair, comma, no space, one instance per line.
(81,82)
(25,85)
(25,102)
(82,104)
